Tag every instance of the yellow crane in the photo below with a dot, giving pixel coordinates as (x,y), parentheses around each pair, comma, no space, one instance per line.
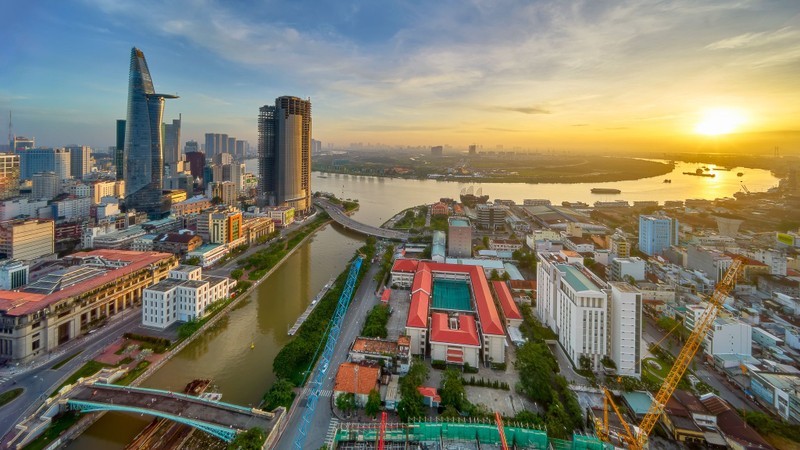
(638,441)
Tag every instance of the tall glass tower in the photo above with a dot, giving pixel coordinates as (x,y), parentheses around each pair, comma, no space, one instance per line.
(144,157)
(284,153)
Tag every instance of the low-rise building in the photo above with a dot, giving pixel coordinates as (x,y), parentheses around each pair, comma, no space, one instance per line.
(184,296)
(177,243)
(622,268)
(509,245)
(440,209)
(779,392)
(193,205)
(256,228)
(356,379)
(394,354)
(283,216)
(80,291)
(509,309)
(729,336)
(208,254)
(27,240)
(13,274)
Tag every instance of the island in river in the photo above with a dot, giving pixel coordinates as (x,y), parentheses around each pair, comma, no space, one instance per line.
(509,167)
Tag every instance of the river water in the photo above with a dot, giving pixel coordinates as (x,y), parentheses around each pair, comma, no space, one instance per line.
(243,375)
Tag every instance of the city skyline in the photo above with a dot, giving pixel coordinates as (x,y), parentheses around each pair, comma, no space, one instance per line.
(541,75)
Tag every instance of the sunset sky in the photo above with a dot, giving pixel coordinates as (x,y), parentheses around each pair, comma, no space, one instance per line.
(605,75)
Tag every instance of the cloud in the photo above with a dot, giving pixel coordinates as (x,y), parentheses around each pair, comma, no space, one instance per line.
(750,40)
(527,109)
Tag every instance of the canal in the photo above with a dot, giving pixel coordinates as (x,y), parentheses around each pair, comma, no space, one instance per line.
(242,375)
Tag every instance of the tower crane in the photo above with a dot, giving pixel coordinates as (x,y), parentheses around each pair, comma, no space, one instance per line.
(638,441)
(499,421)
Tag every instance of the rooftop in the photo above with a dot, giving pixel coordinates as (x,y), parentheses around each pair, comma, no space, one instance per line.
(374,346)
(356,379)
(577,279)
(457,222)
(638,401)
(465,334)
(510,310)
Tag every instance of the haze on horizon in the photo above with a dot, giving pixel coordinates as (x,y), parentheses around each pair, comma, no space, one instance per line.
(678,75)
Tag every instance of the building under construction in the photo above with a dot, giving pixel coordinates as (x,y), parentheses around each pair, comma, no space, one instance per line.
(452,435)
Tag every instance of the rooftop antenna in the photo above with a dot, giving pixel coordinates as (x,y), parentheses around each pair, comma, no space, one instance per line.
(10,131)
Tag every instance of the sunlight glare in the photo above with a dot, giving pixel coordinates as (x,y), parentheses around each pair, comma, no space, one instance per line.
(719,121)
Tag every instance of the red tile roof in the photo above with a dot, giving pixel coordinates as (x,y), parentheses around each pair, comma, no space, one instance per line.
(733,426)
(422,281)
(510,310)
(356,379)
(430,392)
(18,303)
(405,265)
(386,294)
(466,334)
(418,311)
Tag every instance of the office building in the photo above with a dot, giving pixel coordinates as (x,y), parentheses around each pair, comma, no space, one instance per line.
(80,161)
(656,234)
(242,149)
(197,163)
(217,143)
(9,175)
(184,296)
(37,160)
(172,142)
(459,242)
(220,226)
(473,149)
(21,143)
(284,151)
(119,150)
(316,147)
(437,150)
(283,216)
(573,302)
(27,239)
(625,314)
(46,186)
(191,146)
(144,157)
(13,274)
(72,298)
(491,217)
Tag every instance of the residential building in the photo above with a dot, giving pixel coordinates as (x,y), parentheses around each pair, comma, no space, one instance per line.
(184,296)
(459,243)
(9,175)
(21,143)
(356,379)
(625,332)
(220,226)
(729,336)
(573,303)
(490,216)
(66,303)
(102,189)
(712,262)
(622,268)
(226,191)
(656,234)
(619,246)
(46,186)
(13,274)
(20,208)
(144,157)
(506,245)
(80,160)
(27,240)
(394,354)
(192,205)
(284,149)
(737,433)
(71,208)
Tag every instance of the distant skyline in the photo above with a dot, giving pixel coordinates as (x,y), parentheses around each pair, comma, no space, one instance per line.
(646,75)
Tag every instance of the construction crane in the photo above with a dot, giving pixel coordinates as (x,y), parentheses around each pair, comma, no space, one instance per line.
(382,433)
(744,188)
(499,421)
(639,441)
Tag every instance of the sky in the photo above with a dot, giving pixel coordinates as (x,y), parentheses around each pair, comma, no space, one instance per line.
(643,75)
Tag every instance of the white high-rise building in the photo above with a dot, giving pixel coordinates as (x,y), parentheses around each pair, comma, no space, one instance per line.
(625,312)
(46,186)
(573,302)
(729,336)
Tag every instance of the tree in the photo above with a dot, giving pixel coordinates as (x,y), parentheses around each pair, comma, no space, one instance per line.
(450,413)
(559,425)
(280,394)
(452,389)
(346,402)
(536,365)
(486,242)
(411,403)
(252,439)
(495,276)
(373,405)
(193,261)
(585,363)
(505,276)
(237,273)
(375,324)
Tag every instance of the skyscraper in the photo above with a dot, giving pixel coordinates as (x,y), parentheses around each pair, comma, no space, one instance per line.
(80,160)
(9,175)
(172,142)
(119,154)
(37,160)
(284,153)
(144,157)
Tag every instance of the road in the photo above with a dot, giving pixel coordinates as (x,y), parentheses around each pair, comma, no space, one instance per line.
(363,300)
(39,381)
(338,215)
(565,365)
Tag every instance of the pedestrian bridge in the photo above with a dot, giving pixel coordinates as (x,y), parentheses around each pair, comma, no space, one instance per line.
(95,394)
(339,216)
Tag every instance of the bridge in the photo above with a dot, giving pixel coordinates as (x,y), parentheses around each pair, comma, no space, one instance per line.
(339,216)
(219,419)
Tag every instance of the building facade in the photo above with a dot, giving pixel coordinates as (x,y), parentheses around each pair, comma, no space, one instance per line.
(284,152)
(172,142)
(459,241)
(80,160)
(27,240)
(656,234)
(144,158)
(9,176)
(625,314)
(184,296)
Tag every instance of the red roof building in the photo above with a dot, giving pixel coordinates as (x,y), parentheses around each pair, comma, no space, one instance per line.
(459,329)
(507,305)
(356,379)
(440,209)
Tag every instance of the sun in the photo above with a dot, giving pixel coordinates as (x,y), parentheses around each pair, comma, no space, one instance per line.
(718,121)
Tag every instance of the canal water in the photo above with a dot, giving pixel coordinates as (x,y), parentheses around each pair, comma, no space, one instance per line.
(243,375)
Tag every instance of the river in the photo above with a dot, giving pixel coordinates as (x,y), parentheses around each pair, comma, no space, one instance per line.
(242,375)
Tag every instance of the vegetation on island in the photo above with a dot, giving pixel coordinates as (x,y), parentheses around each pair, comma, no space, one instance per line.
(8,396)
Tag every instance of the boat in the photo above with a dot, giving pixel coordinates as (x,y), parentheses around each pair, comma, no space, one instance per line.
(605,191)
(700,173)
(667,180)
(740,174)
(252,345)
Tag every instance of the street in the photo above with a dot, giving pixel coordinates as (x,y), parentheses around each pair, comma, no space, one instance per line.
(363,300)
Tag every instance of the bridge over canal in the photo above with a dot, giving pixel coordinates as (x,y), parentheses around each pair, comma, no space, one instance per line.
(339,216)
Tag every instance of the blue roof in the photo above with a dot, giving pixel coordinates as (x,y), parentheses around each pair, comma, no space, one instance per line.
(458,223)
(576,279)
(639,401)
(513,272)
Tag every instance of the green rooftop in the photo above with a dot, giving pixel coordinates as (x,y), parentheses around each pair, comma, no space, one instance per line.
(458,223)
(576,278)
(451,295)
